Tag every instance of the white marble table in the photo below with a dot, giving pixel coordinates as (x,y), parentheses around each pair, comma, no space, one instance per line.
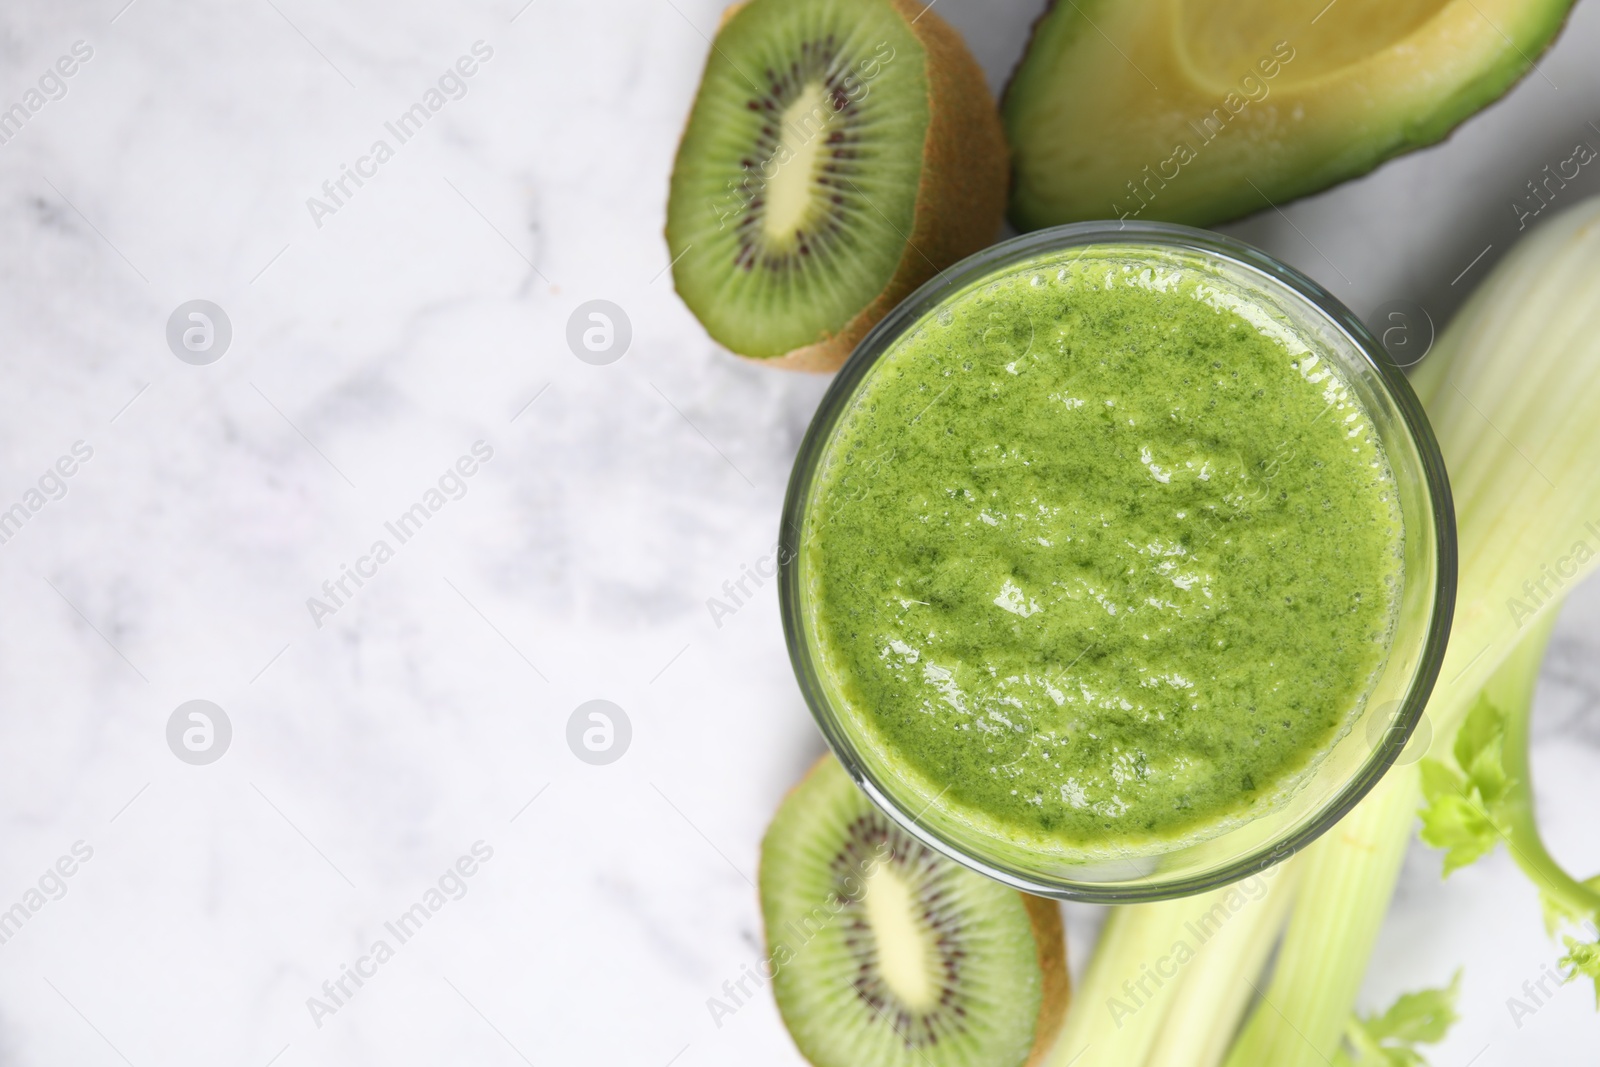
(374,341)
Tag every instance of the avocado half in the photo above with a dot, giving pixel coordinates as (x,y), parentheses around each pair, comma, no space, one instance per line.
(1200,111)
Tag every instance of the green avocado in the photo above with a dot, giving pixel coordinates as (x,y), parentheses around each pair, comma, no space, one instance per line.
(1200,111)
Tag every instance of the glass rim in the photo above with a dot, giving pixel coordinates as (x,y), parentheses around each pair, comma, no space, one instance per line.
(1434,481)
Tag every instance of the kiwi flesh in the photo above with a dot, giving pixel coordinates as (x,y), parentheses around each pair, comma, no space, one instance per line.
(839,153)
(884,953)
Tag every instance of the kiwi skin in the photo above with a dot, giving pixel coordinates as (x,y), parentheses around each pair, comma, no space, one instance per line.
(1049,938)
(1045,916)
(961,194)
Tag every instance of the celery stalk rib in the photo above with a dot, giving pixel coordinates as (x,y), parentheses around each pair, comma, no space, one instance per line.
(1095,1034)
(1348,878)
(1160,967)
(1221,982)
(1511,690)
(1511,392)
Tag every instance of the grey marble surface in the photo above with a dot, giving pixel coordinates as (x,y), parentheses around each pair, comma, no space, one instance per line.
(427,716)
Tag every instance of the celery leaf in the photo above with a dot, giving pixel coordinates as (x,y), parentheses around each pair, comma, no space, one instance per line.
(1465,809)
(1583,957)
(1391,1039)
(1453,819)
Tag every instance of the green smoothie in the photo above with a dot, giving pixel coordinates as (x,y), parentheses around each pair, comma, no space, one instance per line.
(1102,553)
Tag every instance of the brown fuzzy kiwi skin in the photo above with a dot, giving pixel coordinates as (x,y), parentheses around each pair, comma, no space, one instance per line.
(1049,939)
(961,195)
(1045,917)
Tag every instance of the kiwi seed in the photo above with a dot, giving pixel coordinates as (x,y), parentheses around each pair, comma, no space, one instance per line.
(839,153)
(883,952)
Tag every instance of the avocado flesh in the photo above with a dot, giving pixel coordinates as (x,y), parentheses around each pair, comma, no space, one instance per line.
(1201,111)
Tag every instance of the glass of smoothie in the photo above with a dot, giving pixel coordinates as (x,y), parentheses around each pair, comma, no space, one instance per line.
(1118,562)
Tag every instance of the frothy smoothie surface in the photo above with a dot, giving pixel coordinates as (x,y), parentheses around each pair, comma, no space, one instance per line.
(1102,551)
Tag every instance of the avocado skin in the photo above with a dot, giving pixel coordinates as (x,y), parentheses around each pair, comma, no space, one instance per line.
(1216,187)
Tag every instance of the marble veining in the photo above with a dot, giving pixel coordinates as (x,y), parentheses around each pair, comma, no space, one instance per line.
(427,719)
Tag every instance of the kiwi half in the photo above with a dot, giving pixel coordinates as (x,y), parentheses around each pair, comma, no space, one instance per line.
(883,953)
(839,154)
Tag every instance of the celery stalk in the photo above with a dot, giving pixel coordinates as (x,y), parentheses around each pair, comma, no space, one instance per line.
(1511,391)
(1348,878)
(1149,959)
(1097,1033)
(1221,982)
(1511,690)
